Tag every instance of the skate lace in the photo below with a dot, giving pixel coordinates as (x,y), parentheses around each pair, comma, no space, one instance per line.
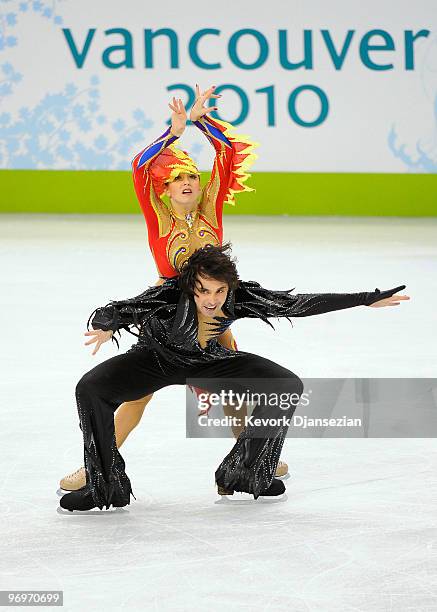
(75,473)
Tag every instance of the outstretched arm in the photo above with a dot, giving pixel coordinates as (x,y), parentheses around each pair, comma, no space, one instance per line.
(233,156)
(252,300)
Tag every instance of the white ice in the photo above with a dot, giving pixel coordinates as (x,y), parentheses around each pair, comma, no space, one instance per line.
(358,530)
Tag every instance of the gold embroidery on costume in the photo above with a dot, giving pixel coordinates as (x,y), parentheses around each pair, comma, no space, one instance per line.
(208,205)
(183,240)
(162,212)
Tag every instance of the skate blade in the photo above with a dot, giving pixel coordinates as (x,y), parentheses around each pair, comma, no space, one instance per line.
(94,511)
(247,498)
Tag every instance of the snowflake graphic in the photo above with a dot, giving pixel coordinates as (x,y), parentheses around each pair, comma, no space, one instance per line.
(9,18)
(64,131)
(421,156)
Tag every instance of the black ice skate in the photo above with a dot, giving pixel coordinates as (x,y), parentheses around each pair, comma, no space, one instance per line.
(276,488)
(82,500)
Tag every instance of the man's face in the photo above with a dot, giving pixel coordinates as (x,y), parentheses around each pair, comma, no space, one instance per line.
(210,295)
(184,189)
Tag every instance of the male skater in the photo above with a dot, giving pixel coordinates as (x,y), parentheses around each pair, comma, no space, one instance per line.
(178,324)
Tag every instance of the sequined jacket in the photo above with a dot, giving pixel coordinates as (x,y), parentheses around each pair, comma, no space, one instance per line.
(166,318)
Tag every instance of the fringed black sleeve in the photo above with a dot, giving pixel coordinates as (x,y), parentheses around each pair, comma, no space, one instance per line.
(252,300)
(133,312)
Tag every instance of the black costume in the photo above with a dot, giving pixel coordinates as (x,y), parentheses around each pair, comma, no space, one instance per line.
(168,352)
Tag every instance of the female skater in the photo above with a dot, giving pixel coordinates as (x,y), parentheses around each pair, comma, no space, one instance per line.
(192,220)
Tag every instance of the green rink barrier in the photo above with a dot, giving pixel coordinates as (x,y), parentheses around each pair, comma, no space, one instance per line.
(277,193)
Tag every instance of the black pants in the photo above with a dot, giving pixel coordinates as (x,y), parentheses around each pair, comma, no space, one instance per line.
(251,464)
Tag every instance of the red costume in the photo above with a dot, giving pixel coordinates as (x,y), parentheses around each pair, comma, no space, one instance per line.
(173,239)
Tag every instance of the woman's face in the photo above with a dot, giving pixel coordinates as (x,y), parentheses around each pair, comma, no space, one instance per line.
(184,189)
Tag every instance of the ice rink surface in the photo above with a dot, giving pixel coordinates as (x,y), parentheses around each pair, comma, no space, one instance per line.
(357,531)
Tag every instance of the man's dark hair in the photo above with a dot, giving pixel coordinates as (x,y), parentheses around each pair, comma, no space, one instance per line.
(211,262)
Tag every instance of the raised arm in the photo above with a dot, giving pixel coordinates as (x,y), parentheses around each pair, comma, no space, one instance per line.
(148,188)
(252,300)
(233,156)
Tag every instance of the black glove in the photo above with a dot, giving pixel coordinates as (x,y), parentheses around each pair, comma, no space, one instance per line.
(106,319)
(375,296)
